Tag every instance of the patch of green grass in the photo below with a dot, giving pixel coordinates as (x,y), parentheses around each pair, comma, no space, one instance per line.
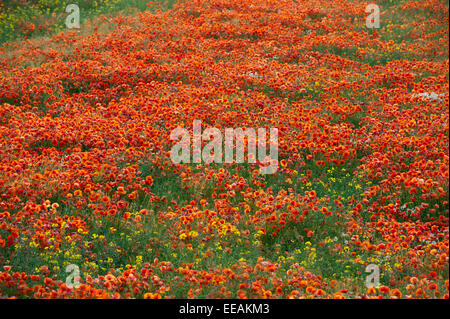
(40,17)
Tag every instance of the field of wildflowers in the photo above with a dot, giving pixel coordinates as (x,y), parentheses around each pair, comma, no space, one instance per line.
(86,178)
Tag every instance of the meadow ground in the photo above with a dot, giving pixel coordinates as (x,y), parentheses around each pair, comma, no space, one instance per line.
(86,177)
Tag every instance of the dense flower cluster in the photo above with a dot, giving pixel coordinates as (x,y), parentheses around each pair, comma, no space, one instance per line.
(86,176)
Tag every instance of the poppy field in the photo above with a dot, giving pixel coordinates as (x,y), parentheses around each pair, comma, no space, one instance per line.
(88,186)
